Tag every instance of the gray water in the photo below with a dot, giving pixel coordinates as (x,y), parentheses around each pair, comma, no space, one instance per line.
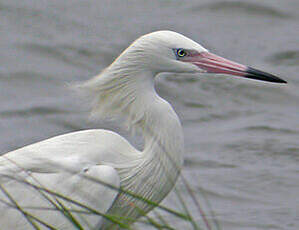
(241,136)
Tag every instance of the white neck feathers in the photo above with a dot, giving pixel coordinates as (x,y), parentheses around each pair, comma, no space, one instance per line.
(124,91)
(129,93)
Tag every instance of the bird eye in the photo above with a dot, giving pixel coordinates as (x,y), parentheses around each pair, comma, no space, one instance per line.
(181,53)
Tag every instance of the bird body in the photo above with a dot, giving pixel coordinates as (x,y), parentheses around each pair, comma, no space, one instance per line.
(99,168)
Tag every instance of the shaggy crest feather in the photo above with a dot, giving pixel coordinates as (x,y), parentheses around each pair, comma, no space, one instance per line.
(115,96)
(120,89)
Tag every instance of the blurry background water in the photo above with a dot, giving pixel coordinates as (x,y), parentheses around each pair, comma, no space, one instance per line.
(242,137)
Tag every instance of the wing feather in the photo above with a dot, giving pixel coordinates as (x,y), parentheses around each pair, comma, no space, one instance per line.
(76,166)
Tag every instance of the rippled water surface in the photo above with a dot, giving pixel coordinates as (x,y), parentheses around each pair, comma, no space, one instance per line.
(242,150)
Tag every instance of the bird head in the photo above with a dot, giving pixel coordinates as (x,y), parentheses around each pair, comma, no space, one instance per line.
(167,51)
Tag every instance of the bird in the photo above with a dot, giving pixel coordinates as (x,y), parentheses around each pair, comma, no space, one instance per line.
(61,179)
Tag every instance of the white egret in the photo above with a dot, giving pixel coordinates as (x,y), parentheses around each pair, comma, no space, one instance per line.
(124,89)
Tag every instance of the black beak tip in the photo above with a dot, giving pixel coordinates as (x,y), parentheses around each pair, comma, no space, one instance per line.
(263,76)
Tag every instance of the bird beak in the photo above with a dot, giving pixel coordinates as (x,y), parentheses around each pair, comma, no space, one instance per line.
(212,63)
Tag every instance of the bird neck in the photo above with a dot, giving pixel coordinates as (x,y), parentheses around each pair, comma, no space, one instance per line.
(163,138)
(124,91)
(132,96)
(161,160)
(163,150)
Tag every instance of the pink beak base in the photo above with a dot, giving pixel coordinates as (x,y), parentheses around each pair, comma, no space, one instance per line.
(212,63)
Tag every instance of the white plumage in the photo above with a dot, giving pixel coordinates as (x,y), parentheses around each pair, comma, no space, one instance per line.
(71,164)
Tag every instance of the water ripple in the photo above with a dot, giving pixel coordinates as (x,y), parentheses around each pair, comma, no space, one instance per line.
(193,163)
(66,53)
(289,57)
(243,8)
(29,112)
(269,129)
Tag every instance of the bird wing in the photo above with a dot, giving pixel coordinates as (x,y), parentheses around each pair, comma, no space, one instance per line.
(61,181)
